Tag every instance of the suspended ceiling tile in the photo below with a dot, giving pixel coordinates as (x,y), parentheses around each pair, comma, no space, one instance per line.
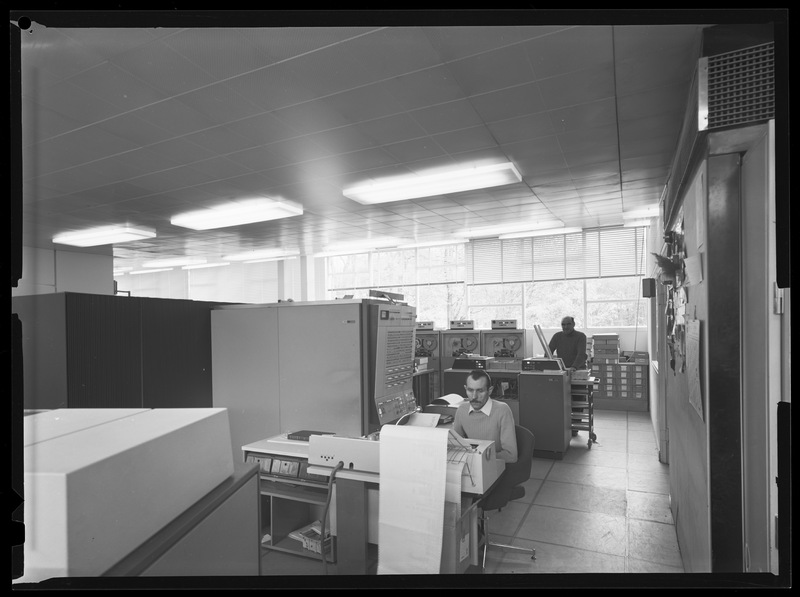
(174,116)
(523,128)
(571,50)
(447,116)
(163,68)
(425,88)
(578,88)
(220,104)
(74,103)
(512,102)
(492,70)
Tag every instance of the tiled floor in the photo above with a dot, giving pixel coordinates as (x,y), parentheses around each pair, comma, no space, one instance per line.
(598,510)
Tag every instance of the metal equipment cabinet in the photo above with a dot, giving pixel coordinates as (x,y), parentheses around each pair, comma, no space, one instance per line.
(545,408)
(583,407)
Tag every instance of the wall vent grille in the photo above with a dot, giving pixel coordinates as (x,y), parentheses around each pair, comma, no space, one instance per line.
(737,88)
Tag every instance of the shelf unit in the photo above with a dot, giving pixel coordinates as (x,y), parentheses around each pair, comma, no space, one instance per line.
(292,506)
(622,386)
(582,393)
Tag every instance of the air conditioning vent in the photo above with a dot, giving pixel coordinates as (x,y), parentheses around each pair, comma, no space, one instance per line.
(737,88)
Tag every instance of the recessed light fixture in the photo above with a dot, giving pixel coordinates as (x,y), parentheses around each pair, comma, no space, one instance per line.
(637,223)
(260,254)
(359,246)
(240,212)
(649,211)
(284,258)
(103,235)
(435,243)
(150,271)
(205,265)
(545,232)
(174,262)
(497,230)
(440,183)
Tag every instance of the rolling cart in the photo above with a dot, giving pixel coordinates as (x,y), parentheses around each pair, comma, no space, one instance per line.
(582,391)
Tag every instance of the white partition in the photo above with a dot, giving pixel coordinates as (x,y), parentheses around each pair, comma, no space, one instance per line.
(96,493)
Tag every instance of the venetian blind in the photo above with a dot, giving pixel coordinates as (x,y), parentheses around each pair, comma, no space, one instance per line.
(597,253)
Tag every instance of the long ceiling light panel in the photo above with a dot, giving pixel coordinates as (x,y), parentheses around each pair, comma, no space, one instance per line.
(428,185)
(545,232)
(234,214)
(103,235)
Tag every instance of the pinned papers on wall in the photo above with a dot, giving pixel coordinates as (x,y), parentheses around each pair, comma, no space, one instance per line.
(693,266)
(693,366)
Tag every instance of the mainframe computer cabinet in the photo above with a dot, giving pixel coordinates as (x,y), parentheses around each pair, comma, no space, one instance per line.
(545,408)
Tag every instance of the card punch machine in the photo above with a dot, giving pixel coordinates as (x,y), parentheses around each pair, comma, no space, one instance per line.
(363,454)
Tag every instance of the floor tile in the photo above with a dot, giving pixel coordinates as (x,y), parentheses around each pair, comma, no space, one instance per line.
(532,487)
(649,506)
(540,467)
(593,531)
(652,542)
(642,447)
(599,455)
(597,476)
(642,436)
(557,559)
(602,413)
(507,520)
(583,497)
(647,463)
(646,481)
(635,566)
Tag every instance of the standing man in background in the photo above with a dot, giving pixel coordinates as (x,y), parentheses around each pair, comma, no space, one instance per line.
(569,345)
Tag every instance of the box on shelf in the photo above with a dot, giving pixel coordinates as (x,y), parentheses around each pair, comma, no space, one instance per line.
(310,536)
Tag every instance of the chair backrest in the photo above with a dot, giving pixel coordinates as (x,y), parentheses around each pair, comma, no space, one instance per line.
(515,474)
(520,471)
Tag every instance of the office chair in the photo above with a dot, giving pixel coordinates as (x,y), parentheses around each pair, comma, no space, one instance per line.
(508,488)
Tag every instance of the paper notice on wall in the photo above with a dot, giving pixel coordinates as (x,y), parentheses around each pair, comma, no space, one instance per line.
(693,366)
(694,270)
(413,483)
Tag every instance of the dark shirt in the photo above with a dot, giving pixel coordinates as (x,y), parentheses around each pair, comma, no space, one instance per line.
(570,348)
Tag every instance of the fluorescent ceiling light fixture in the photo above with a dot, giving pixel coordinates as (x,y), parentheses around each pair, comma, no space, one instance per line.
(150,271)
(287,258)
(260,254)
(174,262)
(427,185)
(650,211)
(204,265)
(508,229)
(103,235)
(240,212)
(359,246)
(546,232)
(435,243)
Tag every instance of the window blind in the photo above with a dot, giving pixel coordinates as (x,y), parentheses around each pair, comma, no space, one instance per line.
(605,252)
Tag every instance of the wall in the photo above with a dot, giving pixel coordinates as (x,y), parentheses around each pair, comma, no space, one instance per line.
(46,271)
(687,430)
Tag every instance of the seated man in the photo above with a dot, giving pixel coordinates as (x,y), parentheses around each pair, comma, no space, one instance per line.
(485,418)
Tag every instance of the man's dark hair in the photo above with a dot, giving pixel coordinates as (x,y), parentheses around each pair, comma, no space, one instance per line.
(477,374)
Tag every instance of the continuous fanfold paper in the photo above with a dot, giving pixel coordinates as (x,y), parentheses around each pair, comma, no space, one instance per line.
(415,481)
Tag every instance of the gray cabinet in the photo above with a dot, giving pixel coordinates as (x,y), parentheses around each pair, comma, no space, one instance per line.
(545,408)
(101,351)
